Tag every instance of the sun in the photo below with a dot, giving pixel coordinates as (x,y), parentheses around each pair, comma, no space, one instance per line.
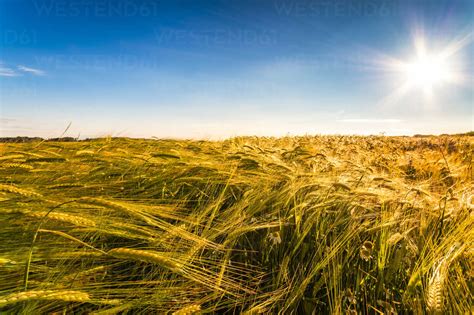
(426,71)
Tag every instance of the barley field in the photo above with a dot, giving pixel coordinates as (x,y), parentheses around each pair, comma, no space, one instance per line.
(292,225)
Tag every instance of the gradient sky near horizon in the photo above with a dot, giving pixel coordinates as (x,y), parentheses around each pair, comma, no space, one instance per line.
(214,69)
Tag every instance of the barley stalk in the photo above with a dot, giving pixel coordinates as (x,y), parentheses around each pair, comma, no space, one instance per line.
(188,310)
(17,165)
(145,256)
(62,217)
(67,296)
(18,191)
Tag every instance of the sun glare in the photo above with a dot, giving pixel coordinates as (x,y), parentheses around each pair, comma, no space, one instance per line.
(426,72)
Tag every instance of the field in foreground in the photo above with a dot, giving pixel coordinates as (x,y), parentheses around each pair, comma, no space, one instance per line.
(291,225)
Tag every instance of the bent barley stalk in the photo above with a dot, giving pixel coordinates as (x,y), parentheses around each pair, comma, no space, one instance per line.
(85,273)
(67,296)
(62,217)
(146,256)
(22,192)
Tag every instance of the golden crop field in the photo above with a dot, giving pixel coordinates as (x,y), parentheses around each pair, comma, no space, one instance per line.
(293,225)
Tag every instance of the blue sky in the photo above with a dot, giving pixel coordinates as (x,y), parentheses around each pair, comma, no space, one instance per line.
(214,69)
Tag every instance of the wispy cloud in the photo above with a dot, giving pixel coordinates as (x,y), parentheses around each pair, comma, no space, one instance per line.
(31,70)
(371,121)
(7,72)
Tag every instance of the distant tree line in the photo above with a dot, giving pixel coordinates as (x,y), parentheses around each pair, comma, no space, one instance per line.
(35,139)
